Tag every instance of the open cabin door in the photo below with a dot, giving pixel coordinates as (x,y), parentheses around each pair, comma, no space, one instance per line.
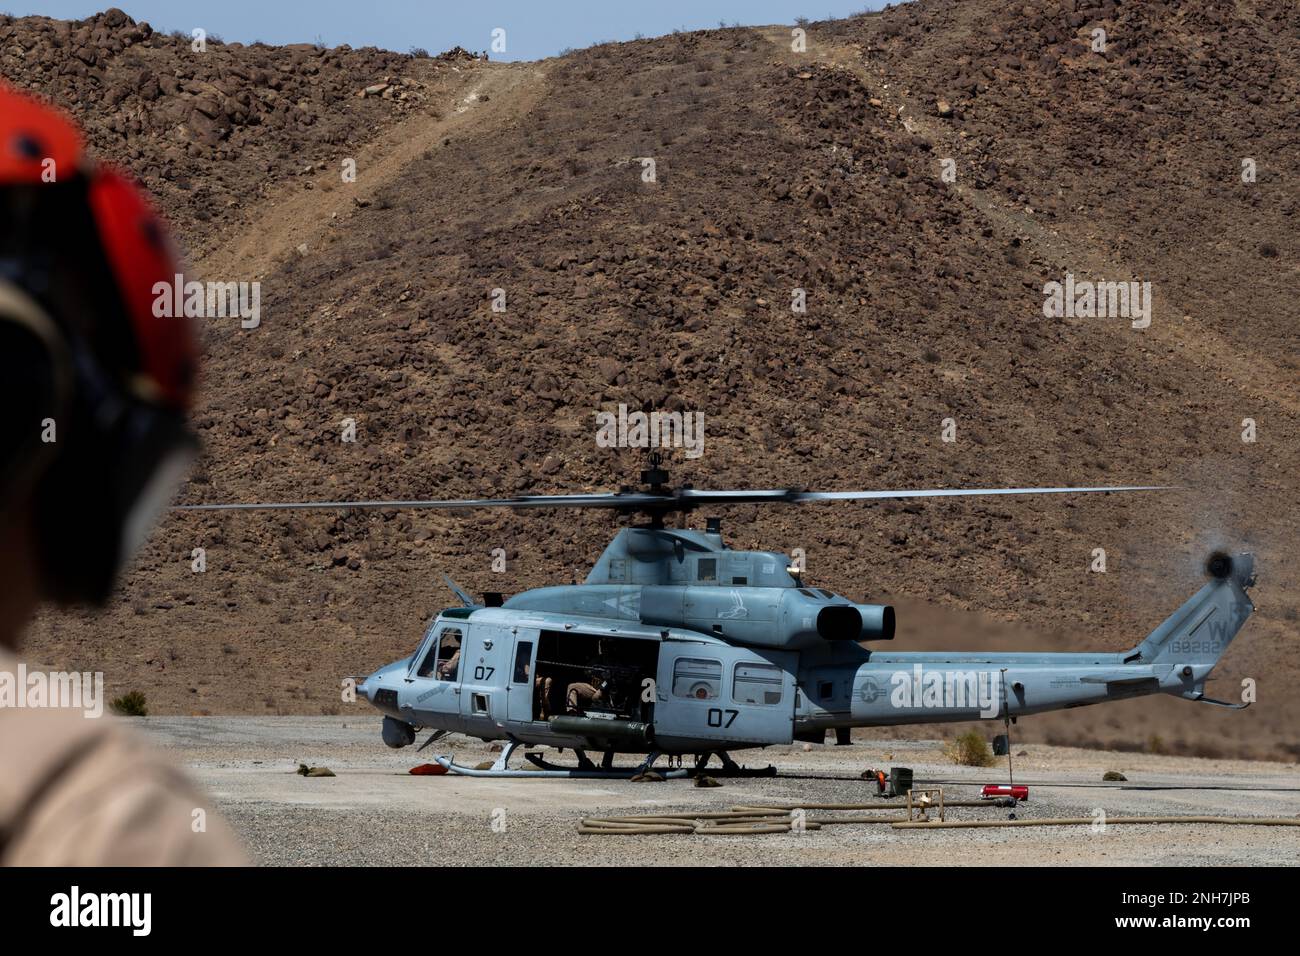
(711,695)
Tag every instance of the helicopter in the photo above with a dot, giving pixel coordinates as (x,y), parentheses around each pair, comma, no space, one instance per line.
(678,646)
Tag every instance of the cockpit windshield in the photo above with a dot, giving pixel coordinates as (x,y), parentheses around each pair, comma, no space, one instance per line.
(424,638)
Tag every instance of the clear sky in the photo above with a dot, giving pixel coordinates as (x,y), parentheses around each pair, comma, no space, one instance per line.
(534,28)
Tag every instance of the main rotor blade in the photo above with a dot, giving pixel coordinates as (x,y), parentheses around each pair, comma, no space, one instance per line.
(799,497)
(680,499)
(633,500)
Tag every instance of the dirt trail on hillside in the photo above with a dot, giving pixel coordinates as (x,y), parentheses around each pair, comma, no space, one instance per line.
(488,94)
(1172,325)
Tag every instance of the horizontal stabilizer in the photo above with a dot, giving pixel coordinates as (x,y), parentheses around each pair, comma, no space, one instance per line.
(1120,675)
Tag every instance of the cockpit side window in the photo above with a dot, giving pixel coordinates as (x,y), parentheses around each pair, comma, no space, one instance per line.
(442,660)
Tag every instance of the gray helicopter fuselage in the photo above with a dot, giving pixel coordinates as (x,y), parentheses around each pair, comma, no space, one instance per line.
(695,648)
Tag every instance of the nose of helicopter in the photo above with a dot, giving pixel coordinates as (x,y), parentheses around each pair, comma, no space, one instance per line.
(362,690)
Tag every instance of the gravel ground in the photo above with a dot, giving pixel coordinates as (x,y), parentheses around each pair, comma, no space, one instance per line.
(374,812)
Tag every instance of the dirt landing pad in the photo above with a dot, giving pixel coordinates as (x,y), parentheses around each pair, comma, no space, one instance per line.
(374,812)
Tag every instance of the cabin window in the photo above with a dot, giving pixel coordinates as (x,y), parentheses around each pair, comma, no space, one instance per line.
(523,657)
(443,658)
(706,569)
(697,679)
(756,683)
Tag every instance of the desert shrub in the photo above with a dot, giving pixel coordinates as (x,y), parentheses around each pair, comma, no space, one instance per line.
(130,704)
(970,750)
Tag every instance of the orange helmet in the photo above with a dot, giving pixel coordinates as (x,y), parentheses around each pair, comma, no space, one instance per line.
(101,382)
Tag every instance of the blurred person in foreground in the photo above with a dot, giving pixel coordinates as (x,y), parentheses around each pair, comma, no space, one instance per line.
(94,391)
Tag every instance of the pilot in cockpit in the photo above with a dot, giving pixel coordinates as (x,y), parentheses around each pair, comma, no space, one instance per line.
(450,662)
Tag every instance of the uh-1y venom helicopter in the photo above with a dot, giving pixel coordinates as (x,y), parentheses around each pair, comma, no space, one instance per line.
(677,645)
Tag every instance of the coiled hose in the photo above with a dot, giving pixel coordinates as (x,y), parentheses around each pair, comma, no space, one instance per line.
(752,820)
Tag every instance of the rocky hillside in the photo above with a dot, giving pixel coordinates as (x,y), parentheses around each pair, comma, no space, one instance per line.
(828,170)
(215,132)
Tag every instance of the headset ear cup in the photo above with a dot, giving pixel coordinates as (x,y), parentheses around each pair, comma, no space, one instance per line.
(34,391)
(29,410)
(100,496)
(76,531)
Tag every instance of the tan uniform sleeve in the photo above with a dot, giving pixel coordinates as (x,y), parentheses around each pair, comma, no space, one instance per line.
(78,791)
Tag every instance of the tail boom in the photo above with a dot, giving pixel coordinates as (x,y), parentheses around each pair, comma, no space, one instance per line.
(934,687)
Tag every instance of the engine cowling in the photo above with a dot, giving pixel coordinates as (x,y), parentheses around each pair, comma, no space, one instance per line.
(779,618)
(856,622)
(878,622)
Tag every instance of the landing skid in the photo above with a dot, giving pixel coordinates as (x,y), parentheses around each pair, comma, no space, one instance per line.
(587,770)
(498,769)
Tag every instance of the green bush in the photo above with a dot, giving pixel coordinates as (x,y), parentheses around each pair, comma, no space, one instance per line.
(130,704)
